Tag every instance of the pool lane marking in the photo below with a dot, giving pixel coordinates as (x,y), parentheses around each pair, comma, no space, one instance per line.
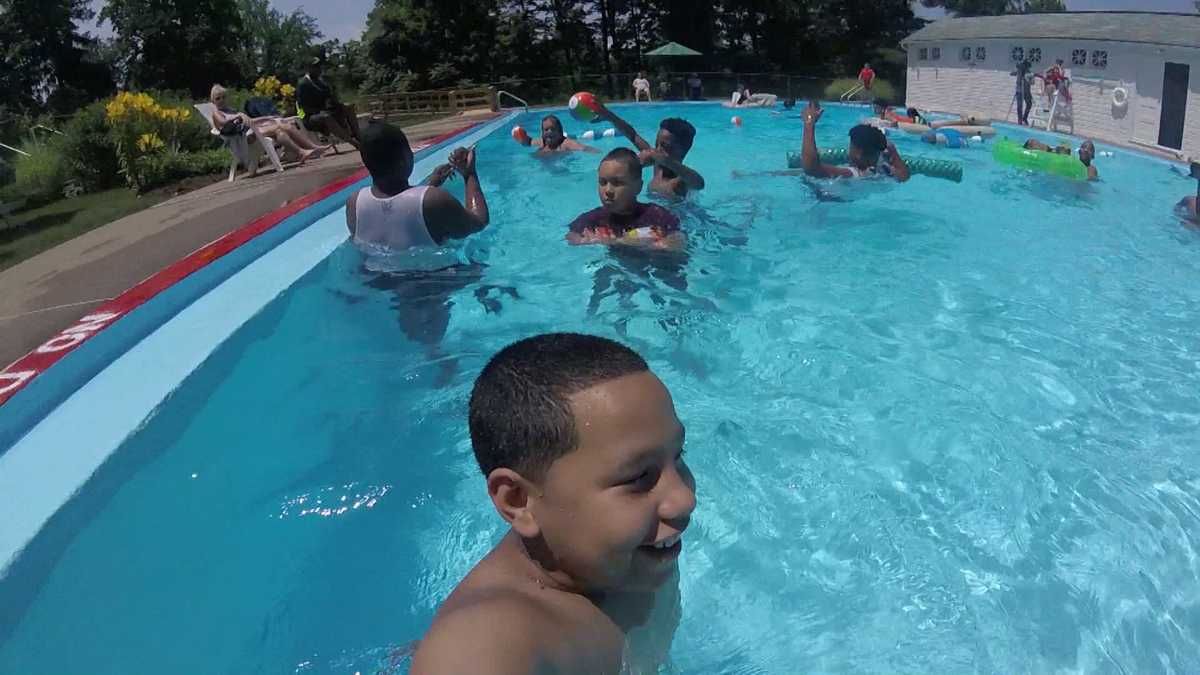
(57,456)
(17,375)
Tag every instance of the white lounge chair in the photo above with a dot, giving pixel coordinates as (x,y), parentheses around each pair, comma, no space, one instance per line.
(244,148)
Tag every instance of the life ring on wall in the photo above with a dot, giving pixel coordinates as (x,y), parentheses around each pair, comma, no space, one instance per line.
(1120,97)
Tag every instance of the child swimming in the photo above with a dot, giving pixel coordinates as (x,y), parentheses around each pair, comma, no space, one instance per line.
(553,140)
(672,178)
(582,453)
(621,218)
(870,153)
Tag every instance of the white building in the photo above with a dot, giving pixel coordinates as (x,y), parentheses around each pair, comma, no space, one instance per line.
(1150,61)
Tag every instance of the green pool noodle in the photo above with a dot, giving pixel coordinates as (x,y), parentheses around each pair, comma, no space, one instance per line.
(925,166)
(1014,154)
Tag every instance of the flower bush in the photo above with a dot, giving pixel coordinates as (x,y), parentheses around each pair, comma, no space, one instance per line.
(141,127)
(284,95)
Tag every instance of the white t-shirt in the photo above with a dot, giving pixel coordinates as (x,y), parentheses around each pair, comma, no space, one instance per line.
(641,83)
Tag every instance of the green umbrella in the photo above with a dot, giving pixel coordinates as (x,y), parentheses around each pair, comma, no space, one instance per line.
(673,49)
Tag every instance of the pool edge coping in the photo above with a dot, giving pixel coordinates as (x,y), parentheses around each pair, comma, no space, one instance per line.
(25,370)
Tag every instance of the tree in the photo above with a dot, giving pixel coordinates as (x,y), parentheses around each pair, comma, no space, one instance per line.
(177,44)
(996,7)
(1041,6)
(43,56)
(420,44)
(275,43)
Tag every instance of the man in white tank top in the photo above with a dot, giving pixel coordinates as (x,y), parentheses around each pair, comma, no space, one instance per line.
(398,216)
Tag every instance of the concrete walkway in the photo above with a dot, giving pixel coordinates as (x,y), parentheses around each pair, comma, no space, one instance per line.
(49,292)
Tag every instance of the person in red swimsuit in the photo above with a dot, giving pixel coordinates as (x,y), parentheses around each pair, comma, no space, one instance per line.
(621,218)
(1056,77)
(866,76)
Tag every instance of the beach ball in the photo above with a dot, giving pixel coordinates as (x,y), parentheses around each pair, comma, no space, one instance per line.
(520,135)
(737,121)
(583,106)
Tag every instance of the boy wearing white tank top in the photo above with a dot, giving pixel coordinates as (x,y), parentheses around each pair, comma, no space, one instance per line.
(393,214)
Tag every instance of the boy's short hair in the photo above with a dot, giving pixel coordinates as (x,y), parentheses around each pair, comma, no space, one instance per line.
(385,149)
(554,118)
(627,157)
(868,139)
(681,129)
(520,413)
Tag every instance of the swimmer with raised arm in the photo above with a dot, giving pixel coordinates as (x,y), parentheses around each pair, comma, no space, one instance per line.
(582,456)
(554,139)
(621,219)
(672,178)
(870,154)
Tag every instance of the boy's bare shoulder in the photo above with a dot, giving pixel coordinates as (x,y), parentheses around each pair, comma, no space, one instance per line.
(497,630)
(498,621)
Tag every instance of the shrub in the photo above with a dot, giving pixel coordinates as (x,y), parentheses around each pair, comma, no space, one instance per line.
(89,154)
(7,173)
(880,89)
(40,177)
(141,127)
(160,168)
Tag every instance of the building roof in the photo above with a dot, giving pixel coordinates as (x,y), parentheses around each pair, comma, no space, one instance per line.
(1178,30)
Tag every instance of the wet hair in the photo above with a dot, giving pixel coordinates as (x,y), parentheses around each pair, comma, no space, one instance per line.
(789,103)
(681,129)
(520,412)
(868,139)
(627,157)
(557,122)
(914,114)
(385,150)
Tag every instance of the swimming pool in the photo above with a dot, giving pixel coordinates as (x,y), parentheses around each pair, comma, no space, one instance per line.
(935,427)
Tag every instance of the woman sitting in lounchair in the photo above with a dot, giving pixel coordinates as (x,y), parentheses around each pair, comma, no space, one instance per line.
(230,122)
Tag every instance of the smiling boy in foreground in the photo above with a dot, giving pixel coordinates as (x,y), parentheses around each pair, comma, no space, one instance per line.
(583,455)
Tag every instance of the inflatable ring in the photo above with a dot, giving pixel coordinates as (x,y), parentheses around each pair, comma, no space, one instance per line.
(913,128)
(878,123)
(986,132)
(1013,154)
(1120,97)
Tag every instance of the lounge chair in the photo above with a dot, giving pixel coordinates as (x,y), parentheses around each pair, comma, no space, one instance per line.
(247,149)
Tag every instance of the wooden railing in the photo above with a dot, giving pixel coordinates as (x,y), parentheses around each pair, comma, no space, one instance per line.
(424,103)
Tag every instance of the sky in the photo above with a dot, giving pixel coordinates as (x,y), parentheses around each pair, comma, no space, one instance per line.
(346,19)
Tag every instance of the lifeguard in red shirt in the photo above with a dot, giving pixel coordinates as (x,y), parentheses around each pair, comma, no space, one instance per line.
(866,76)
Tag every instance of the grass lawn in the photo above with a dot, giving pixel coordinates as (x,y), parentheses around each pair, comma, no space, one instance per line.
(50,225)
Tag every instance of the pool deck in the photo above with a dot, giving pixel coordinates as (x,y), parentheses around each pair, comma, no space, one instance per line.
(49,292)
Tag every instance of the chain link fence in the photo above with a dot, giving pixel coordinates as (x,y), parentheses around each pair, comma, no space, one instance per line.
(665,86)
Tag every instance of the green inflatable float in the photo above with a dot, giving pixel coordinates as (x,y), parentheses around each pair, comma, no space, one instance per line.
(934,168)
(1012,153)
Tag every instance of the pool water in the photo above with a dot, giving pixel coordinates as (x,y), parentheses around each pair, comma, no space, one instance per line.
(935,427)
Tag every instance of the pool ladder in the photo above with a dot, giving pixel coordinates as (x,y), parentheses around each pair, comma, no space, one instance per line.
(514,97)
(849,95)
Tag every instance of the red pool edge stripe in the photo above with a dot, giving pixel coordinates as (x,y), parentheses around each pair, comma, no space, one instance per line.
(20,373)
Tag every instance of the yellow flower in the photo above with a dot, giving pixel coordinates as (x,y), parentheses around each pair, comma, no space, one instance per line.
(149,142)
(287,91)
